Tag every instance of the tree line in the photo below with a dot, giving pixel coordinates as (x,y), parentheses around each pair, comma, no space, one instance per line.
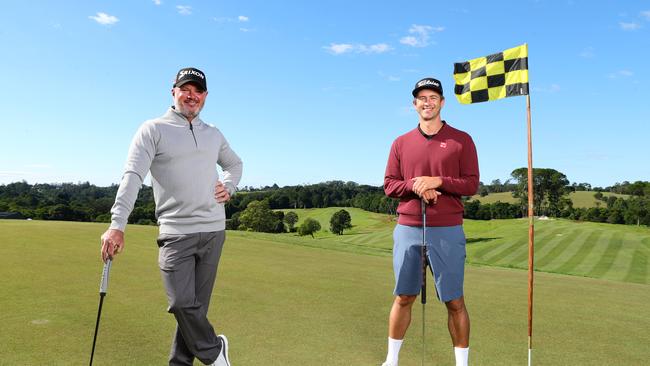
(87,202)
(551,190)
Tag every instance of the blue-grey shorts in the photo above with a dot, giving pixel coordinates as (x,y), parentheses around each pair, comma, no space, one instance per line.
(446,252)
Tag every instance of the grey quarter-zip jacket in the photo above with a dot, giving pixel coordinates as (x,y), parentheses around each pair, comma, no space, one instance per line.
(182,158)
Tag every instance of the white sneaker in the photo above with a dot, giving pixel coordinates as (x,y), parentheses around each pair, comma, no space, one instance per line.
(222,359)
(388,364)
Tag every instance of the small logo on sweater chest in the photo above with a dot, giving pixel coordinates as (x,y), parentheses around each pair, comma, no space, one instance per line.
(443,145)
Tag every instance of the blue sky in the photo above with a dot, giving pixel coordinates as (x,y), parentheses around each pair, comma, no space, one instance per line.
(308,92)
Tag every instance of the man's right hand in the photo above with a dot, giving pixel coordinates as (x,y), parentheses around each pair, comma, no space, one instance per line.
(430,195)
(112,243)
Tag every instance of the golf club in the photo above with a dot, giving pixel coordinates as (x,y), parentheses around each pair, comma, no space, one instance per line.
(423,290)
(103,286)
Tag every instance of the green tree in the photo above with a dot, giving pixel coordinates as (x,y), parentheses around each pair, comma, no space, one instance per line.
(233,222)
(258,217)
(549,187)
(279,225)
(309,227)
(340,221)
(291,218)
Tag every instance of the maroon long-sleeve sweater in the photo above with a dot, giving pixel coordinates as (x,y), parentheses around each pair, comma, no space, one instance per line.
(451,155)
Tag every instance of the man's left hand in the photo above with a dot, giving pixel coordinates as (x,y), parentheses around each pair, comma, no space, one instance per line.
(221,193)
(424,183)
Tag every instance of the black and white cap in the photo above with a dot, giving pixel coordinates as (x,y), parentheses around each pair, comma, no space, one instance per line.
(428,83)
(191,75)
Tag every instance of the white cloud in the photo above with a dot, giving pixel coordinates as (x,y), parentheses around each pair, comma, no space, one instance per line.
(645,14)
(588,52)
(341,48)
(620,73)
(409,40)
(242,18)
(375,48)
(245,30)
(184,9)
(104,19)
(629,26)
(420,35)
(157,2)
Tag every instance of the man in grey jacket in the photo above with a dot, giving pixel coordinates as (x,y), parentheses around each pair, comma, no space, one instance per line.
(181,152)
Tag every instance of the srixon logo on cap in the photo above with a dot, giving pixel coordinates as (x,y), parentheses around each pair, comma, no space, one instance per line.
(183,73)
(428,82)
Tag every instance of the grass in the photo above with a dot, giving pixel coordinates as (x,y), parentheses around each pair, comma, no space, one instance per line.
(605,251)
(496,197)
(283,300)
(580,199)
(584,199)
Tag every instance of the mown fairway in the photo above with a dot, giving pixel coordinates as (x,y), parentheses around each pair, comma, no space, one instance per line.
(286,301)
(615,252)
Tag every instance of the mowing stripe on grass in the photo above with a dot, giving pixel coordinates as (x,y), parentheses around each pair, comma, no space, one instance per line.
(546,243)
(588,244)
(607,258)
(485,249)
(521,260)
(559,249)
(594,252)
(486,254)
(572,244)
(623,261)
(638,270)
(542,237)
(522,245)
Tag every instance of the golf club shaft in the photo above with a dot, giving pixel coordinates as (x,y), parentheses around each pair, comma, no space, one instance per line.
(423,290)
(103,288)
(99,313)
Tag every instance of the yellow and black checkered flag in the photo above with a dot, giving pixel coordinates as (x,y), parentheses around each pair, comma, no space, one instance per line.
(500,75)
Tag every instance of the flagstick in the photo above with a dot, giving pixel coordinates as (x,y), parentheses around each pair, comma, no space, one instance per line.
(531,235)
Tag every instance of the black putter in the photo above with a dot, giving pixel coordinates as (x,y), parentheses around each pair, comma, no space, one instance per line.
(425,261)
(103,286)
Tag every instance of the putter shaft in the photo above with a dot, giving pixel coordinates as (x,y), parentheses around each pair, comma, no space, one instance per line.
(423,290)
(103,288)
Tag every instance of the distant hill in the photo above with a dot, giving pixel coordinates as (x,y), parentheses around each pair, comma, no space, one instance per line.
(580,199)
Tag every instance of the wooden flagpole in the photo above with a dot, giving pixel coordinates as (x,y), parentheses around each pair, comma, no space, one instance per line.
(531,234)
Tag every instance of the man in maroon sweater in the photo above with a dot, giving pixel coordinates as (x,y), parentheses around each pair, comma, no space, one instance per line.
(438,164)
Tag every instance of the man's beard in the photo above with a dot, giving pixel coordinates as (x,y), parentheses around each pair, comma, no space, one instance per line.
(187,114)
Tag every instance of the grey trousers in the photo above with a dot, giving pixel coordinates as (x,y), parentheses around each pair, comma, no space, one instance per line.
(188,265)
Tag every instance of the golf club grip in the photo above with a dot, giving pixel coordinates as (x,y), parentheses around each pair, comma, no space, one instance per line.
(423,291)
(103,286)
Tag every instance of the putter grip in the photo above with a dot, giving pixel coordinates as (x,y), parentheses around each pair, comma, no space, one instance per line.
(103,286)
